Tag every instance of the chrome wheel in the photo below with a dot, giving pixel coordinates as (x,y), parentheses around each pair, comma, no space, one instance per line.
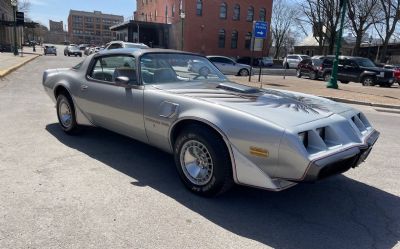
(327,77)
(196,162)
(368,81)
(65,114)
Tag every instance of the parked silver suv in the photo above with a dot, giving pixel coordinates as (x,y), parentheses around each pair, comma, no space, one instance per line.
(292,60)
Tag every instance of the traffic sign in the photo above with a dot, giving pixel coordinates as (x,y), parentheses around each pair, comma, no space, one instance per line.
(20,19)
(260,30)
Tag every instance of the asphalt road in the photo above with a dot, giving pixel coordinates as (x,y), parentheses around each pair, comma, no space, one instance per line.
(103,190)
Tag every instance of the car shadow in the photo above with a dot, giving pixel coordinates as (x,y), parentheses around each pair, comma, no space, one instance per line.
(336,213)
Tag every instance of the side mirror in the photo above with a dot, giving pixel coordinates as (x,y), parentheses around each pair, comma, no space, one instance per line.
(122,81)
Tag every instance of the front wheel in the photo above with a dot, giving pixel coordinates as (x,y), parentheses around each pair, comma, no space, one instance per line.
(66,114)
(368,81)
(244,72)
(203,161)
(327,77)
(313,75)
(298,73)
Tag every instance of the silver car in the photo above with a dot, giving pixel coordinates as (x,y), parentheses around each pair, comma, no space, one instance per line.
(228,66)
(291,61)
(219,132)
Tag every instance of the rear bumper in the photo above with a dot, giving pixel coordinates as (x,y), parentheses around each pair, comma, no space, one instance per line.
(385,80)
(341,161)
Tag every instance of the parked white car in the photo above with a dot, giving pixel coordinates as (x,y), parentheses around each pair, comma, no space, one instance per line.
(228,66)
(292,60)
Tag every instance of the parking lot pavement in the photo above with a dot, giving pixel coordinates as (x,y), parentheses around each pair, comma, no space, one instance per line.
(103,190)
(351,92)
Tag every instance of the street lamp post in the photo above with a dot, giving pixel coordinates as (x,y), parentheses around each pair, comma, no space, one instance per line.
(182,19)
(14,5)
(332,83)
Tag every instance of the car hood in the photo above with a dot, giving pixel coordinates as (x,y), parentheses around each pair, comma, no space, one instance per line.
(285,108)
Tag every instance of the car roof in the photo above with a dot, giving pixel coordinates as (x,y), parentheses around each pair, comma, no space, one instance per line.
(140,51)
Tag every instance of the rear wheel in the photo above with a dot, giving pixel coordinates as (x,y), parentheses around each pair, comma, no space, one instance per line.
(66,114)
(368,81)
(203,161)
(244,72)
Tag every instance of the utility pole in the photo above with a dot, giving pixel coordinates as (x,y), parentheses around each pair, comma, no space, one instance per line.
(14,4)
(332,83)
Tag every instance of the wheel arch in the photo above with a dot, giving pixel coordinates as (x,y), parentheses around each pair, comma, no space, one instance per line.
(180,124)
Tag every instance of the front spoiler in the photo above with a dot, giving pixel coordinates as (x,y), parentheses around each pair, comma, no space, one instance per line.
(340,162)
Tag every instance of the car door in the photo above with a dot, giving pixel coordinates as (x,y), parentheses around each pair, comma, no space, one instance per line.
(109,105)
(219,63)
(230,66)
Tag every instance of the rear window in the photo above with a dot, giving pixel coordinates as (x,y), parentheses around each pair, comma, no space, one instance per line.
(317,62)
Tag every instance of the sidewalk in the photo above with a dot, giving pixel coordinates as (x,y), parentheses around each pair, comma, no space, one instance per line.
(9,62)
(351,93)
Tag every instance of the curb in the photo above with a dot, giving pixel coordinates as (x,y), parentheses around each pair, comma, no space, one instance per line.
(15,67)
(356,102)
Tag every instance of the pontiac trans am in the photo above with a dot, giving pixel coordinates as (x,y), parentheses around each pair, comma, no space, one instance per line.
(219,132)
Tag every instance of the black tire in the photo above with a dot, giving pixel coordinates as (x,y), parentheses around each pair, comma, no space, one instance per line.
(298,73)
(69,55)
(327,76)
(344,81)
(368,81)
(243,72)
(80,55)
(220,179)
(65,99)
(313,75)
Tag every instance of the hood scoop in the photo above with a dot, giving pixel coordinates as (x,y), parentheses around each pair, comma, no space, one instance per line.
(239,88)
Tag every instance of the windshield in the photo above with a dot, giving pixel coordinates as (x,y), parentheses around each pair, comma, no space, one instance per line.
(364,62)
(159,68)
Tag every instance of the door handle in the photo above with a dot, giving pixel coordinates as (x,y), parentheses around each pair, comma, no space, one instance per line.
(84,87)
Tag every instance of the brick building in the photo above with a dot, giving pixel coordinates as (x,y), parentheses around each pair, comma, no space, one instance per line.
(6,27)
(91,27)
(220,27)
(56,26)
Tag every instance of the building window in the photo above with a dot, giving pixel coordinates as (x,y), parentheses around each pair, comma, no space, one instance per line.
(199,7)
(173,10)
(262,14)
(234,39)
(222,11)
(250,14)
(221,38)
(247,42)
(236,12)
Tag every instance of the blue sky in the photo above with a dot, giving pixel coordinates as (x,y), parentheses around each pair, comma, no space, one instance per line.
(58,10)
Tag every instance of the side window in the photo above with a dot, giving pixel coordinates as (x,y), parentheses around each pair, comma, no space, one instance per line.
(115,46)
(110,67)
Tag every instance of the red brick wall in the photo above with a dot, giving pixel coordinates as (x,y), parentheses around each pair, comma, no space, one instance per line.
(201,32)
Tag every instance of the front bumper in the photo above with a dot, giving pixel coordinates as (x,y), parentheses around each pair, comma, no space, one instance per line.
(340,162)
(384,80)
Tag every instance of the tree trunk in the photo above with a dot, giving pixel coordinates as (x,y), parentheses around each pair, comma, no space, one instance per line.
(357,46)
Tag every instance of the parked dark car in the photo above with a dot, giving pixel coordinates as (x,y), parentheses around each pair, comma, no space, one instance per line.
(363,70)
(72,50)
(315,68)
(396,71)
(49,49)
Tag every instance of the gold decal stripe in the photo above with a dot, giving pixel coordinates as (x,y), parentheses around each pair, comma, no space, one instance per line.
(259,152)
